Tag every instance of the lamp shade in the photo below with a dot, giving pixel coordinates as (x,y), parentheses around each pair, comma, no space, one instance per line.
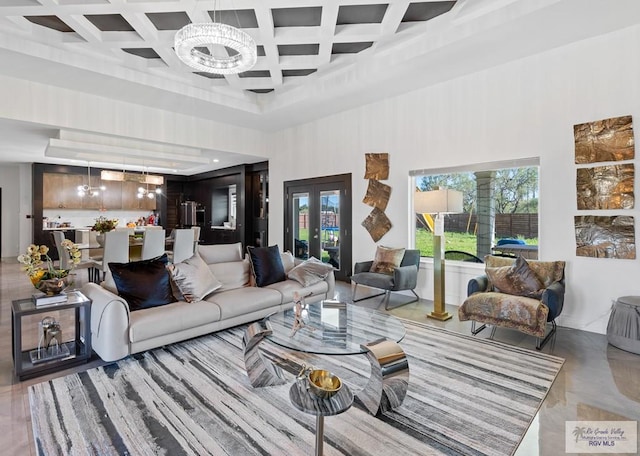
(443,201)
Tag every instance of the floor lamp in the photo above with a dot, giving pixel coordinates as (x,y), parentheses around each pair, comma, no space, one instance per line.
(439,202)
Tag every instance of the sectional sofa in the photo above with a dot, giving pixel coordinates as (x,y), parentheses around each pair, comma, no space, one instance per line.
(117,331)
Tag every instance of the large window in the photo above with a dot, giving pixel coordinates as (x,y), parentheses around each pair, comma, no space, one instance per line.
(500,206)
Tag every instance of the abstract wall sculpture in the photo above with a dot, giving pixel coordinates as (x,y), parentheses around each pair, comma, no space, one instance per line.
(378,194)
(605,237)
(604,140)
(377,166)
(605,187)
(377,224)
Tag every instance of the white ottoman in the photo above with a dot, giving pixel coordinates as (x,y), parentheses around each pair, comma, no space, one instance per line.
(623,330)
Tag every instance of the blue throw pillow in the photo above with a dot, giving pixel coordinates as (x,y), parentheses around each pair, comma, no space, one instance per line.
(143,284)
(266,264)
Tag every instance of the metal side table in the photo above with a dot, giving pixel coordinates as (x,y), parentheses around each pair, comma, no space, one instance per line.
(307,402)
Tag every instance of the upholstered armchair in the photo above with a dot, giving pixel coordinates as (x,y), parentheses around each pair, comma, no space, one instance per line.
(518,294)
(388,276)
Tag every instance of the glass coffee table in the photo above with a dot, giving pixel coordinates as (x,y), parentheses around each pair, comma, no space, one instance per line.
(335,328)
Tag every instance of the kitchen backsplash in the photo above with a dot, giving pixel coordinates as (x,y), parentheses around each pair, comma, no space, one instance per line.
(84,218)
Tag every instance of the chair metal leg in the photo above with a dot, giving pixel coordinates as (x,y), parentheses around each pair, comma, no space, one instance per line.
(541,342)
(475,331)
(353,294)
(386,306)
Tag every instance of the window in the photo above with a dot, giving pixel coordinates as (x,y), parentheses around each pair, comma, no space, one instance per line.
(500,205)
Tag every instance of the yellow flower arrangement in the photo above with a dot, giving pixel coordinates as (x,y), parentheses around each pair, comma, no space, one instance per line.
(104,225)
(39,266)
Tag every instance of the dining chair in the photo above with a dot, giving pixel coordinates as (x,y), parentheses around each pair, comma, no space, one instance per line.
(64,260)
(196,237)
(183,245)
(116,250)
(152,243)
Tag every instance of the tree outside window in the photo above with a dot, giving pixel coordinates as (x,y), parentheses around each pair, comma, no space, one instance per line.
(514,196)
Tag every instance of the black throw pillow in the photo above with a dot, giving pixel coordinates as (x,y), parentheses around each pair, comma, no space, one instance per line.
(143,284)
(266,264)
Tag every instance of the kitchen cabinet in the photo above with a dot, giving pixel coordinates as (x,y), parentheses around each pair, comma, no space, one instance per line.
(111,196)
(60,191)
(130,198)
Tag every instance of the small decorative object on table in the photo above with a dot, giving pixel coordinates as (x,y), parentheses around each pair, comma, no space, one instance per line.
(50,345)
(321,383)
(103,225)
(300,312)
(39,267)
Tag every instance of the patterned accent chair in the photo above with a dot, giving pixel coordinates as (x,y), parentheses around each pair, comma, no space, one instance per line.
(517,294)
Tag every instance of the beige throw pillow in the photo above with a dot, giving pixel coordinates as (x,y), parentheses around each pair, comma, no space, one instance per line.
(517,279)
(310,271)
(386,260)
(193,278)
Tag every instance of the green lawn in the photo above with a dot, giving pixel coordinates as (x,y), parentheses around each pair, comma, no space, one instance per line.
(453,241)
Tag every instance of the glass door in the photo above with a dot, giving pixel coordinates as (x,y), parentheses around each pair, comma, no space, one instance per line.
(318,221)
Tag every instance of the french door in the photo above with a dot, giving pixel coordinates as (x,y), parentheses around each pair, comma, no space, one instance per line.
(318,221)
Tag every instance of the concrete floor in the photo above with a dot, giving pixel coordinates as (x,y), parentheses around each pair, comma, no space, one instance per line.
(597,381)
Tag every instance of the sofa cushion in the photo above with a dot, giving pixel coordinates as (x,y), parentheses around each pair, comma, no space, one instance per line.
(386,260)
(143,284)
(178,316)
(288,261)
(242,301)
(193,278)
(547,271)
(266,265)
(508,311)
(310,271)
(220,253)
(287,287)
(234,274)
(517,279)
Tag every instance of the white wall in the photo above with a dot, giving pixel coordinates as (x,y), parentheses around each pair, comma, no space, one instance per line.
(523,109)
(17,230)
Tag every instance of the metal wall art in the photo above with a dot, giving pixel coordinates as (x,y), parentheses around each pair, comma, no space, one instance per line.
(377,224)
(378,194)
(605,187)
(605,237)
(377,166)
(604,140)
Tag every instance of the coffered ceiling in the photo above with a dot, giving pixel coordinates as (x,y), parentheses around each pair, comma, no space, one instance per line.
(315,57)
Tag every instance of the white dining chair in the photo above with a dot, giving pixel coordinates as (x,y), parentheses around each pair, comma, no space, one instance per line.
(152,243)
(183,245)
(196,237)
(116,250)
(64,260)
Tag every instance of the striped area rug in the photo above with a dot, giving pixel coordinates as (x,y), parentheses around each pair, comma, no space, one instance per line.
(466,396)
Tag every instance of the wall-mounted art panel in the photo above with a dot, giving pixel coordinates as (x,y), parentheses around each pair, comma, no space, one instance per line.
(605,237)
(604,140)
(378,194)
(377,224)
(377,166)
(605,187)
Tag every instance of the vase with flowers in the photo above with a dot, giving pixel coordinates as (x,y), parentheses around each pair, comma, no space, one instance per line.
(40,269)
(103,225)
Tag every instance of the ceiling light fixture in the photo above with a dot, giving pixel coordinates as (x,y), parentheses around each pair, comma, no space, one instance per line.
(193,36)
(142,191)
(87,189)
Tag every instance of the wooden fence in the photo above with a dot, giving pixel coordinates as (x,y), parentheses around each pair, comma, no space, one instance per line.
(507,225)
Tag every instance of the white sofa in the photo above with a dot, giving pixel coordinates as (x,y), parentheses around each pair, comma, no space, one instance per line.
(116,332)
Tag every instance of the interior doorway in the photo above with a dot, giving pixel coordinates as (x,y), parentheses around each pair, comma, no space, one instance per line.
(318,221)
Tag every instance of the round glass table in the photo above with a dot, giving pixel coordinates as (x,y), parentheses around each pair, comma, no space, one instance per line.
(335,328)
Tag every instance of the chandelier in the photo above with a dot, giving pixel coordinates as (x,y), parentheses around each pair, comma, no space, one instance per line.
(87,189)
(142,191)
(193,36)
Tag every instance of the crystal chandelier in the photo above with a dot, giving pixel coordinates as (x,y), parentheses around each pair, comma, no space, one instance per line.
(87,189)
(194,36)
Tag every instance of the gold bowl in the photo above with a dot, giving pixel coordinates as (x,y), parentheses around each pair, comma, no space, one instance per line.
(323,383)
